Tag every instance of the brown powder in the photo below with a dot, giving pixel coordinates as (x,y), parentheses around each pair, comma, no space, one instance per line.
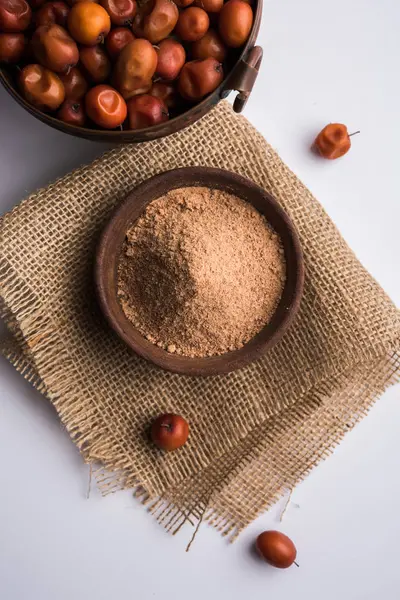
(201,272)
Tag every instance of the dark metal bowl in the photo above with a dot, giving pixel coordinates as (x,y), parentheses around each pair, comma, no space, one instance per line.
(241,73)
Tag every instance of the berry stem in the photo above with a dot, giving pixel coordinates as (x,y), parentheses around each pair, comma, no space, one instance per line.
(354,133)
(297,564)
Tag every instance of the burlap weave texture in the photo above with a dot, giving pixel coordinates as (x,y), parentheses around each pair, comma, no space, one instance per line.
(254,432)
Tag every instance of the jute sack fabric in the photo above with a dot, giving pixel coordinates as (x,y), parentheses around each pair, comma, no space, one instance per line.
(255,432)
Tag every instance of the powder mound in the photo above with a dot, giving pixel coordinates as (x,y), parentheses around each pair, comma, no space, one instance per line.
(201,272)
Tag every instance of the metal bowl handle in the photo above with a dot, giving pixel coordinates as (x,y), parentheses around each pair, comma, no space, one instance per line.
(244,76)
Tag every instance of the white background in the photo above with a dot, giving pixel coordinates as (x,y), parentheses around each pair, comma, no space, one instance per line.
(324,61)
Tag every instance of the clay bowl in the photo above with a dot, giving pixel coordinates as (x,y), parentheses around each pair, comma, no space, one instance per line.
(110,246)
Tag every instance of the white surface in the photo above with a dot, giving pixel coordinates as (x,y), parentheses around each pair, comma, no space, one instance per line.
(323,62)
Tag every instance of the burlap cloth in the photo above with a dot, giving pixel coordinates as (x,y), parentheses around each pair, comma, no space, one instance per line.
(255,432)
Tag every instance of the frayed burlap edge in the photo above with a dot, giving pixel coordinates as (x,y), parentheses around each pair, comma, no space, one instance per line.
(204,494)
(262,465)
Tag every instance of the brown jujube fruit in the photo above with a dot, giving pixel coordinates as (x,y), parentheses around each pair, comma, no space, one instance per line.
(52,12)
(134,68)
(210,6)
(235,23)
(192,24)
(166,92)
(95,63)
(15,16)
(121,12)
(75,84)
(88,23)
(54,48)
(171,57)
(72,2)
(333,141)
(199,78)
(117,39)
(276,548)
(12,47)
(156,20)
(72,112)
(209,46)
(35,4)
(183,3)
(41,88)
(105,107)
(28,57)
(169,432)
(145,111)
